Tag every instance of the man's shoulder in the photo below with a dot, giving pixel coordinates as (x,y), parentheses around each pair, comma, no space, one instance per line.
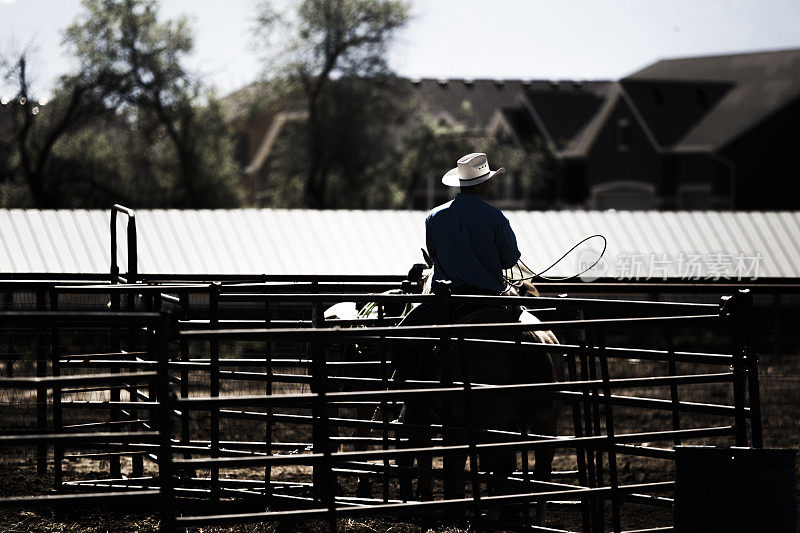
(489,211)
(438,209)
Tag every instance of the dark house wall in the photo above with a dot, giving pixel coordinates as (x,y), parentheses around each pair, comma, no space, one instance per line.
(694,181)
(622,152)
(767,162)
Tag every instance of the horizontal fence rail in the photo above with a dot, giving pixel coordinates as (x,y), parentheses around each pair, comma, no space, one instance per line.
(190,382)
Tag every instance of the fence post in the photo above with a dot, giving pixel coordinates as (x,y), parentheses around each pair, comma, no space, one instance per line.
(474,469)
(323,478)
(595,503)
(453,482)
(751,360)
(58,420)
(384,405)
(673,387)
(269,386)
(116,345)
(580,452)
(41,390)
(154,302)
(733,308)
(743,324)
(183,346)
(612,452)
(165,470)
(213,306)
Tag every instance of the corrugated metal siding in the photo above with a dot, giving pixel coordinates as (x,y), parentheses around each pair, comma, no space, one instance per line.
(274,241)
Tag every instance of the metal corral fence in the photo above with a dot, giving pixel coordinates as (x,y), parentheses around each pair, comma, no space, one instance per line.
(230,403)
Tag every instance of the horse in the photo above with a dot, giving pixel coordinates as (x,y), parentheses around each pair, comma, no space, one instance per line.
(351,352)
(473,363)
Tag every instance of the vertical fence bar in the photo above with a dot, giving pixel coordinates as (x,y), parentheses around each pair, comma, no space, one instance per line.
(324,479)
(755,401)
(524,453)
(151,303)
(269,386)
(609,415)
(384,405)
(731,307)
(41,391)
(443,305)
(598,455)
(595,503)
(580,453)
(58,415)
(474,467)
(673,387)
(213,301)
(745,315)
(114,469)
(183,346)
(165,470)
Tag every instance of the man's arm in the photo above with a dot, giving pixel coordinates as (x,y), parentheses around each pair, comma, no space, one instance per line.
(507,245)
(429,239)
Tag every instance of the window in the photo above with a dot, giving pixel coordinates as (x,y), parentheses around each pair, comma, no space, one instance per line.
(702,97)
(623,134)
(658,96)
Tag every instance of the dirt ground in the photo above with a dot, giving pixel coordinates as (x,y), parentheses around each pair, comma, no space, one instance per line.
(780,392)
(19,478)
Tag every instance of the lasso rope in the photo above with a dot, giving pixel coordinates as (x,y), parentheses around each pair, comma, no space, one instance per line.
(508,274)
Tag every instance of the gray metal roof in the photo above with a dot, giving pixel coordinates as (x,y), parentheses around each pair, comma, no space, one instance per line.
(275,241)
(761,83)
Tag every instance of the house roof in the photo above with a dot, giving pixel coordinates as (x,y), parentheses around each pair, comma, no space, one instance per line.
(280,241)
(468,103)
(563,109)
(704,103)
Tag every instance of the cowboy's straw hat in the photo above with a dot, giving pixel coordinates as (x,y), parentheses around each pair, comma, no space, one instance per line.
(472,169)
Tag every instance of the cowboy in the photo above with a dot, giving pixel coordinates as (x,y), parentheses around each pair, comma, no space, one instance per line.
(469,240)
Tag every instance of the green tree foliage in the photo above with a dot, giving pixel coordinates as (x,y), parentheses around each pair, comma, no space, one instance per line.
(34,169)
(357,151)
(130,125)
(430,150)
(324,47)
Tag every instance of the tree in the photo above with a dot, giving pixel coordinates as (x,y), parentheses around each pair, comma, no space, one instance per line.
(137,60)
(34,132)
(333,47)
(429,148)
(130,125)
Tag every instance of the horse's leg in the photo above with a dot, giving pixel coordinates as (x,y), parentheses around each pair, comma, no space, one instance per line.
(543,457)
(411,414)
(425,480)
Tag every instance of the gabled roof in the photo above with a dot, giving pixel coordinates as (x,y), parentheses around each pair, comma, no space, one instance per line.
(704,103)
(516,123)
(468,103)
(563,109)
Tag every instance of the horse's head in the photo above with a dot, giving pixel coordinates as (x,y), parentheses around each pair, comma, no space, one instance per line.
(421,274)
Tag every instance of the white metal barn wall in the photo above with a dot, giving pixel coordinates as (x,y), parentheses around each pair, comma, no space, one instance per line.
(281,241)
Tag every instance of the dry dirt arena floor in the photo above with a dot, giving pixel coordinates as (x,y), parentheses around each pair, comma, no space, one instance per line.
(779,377)
(19,478)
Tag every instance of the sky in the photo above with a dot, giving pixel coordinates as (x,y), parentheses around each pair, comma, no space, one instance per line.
(520,39)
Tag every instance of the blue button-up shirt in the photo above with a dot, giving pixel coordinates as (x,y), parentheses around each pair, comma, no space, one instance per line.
(470,243)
